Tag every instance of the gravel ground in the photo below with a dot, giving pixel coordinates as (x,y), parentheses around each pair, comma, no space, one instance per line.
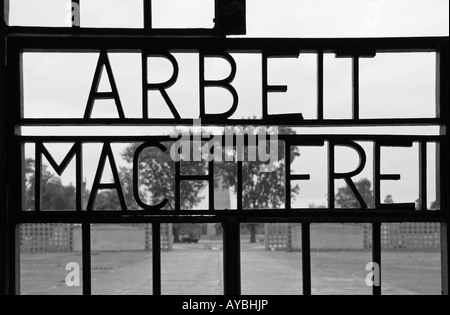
(197,270)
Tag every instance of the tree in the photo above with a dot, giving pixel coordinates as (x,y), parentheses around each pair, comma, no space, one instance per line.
(54,195)
(435,205)
(109,199)
(346,199)
(157,182)
(260,190)
(315,206)
(389,200)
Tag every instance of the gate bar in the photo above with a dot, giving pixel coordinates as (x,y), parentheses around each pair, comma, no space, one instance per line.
(306,256)
(14,158)
(443,172)
(376,254)
(87,263)
(148,24)
(355,79)
(3,159)
(156,249)
(232,259)
(320,86)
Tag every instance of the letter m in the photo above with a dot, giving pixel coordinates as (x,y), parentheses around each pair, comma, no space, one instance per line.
(75,152)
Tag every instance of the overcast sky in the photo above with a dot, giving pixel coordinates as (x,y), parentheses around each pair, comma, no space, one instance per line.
(400,85)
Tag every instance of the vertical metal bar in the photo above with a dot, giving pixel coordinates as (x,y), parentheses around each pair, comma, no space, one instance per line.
(79,177)
(240,185)
(355,88)
(376,172)
(423,199)
(87,263)
(3,155)
(202,85)
(443,155)
(306,256)
(265,97)
(331,183)
(177,186)
(37,177)
(320,86)
(232,259)
(148,24)
(156,249)
(144,84)
(15,168)
(212,186)
(4,14)
(376,227)
(376,254)
(287,161)
(20,201)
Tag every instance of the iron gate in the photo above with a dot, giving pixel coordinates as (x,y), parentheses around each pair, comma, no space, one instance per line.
(19,40)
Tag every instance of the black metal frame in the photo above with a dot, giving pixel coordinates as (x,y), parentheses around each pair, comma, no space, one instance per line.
(24,39)
(229,19)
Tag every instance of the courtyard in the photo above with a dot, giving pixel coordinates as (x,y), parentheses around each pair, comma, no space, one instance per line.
(198,269)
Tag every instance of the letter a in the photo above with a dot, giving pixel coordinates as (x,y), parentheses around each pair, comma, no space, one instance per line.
(103,62)
(106,154)
(373,279)
(73,277)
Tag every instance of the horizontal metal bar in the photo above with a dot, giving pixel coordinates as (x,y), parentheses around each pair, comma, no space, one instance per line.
(194,177)
(34,31)
(245,216)
(39,122)
(297,139)
(294,177)
(91,39)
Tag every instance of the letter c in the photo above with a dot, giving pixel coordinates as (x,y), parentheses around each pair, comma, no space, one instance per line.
(136,176)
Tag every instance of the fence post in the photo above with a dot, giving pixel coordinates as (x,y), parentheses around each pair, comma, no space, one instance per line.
(4,8)
(442,178)
(232,259)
